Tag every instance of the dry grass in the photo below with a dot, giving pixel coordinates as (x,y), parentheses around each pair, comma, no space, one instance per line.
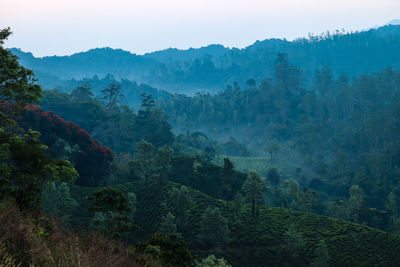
(25,241)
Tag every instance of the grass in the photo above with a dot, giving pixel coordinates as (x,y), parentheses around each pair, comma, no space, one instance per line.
(31,240)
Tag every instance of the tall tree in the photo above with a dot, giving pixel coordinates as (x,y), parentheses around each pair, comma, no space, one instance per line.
(181,202)
(356,202)
(228,172)
(145,159)
(196,173)
(163,162)
(83,92)
(112,209)
(214,229)
(254,188)
(112,94)
(168,225)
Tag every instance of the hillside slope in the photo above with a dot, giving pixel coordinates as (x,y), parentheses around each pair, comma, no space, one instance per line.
(261,242)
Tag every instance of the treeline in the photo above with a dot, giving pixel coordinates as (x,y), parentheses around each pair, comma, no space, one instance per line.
(116,126)
(212,67)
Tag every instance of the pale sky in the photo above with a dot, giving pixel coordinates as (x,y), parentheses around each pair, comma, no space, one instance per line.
(63,27)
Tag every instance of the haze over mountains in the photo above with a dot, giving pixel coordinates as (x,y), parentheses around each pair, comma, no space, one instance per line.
(213,67)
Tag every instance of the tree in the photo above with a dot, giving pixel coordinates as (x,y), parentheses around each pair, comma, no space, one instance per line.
(170,250)
(83,92)
(209,153)
(168,225)
(391,205)
(25,168)
(151,124)
(112,94)
(57,200)
(292,193)
(148,102)
(273,177)
(356,202)
(321,255)
(163,162)
(251,83)
(323,80)
(112,209)
(196,173)
(228,172)
(181,202)
(254,188)
(238,205)
(17,84)
(272,148)
(308,199)
(212,261)
(294,241)
(145,158)
(214,229)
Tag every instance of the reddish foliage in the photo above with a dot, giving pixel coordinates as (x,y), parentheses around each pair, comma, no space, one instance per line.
(92,163)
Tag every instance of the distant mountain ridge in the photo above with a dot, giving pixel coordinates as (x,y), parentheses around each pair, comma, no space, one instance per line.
(212,67)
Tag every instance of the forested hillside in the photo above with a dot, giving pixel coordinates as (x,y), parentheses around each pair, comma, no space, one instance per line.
(212,68)
(294,162)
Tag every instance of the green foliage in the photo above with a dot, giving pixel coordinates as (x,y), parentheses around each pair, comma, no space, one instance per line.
(163,162)
(228,174)
(112,208)
(196,173)
(83,92)
(168,225)
(180,204)
(17,84)
(212,261)
(209,178)
(145,159)
(254,188)
(209,153)
(321,255)
(294,241)
(168,249)
(234,148)
(151,125)
(214,229)
(356,202)
(262,243)
(57,201)
(26,168)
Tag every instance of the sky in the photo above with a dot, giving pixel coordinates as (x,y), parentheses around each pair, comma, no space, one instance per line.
(64,27)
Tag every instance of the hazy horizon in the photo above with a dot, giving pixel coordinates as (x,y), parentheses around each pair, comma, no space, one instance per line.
(47,28)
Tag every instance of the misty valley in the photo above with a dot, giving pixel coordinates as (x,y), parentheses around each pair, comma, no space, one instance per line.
(282,153)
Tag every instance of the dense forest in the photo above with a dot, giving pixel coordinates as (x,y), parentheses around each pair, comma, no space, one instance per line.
(294,163)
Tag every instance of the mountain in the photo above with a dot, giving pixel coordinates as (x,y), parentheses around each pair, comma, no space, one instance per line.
(394,22)
(212,67)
